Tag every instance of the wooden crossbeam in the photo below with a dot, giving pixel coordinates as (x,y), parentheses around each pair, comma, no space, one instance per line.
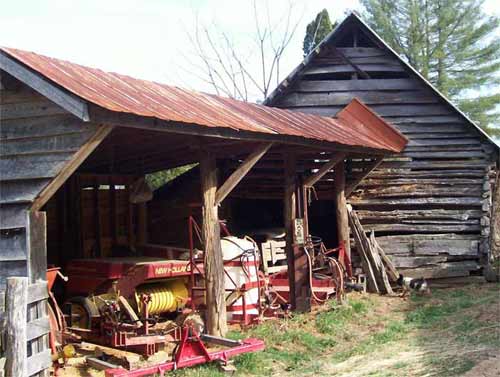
(70,167)
(359,177)
(311,180)
(349,61)
(240,172)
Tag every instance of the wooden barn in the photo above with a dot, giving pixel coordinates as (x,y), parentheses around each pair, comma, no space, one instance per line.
(431,206)
(74,139)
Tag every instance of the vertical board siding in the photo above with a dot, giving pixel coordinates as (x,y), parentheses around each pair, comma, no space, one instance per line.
(433,198)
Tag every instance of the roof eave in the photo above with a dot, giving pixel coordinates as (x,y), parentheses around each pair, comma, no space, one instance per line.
(354,16)
(60,96)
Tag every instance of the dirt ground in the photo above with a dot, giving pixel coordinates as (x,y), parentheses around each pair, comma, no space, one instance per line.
(453,332)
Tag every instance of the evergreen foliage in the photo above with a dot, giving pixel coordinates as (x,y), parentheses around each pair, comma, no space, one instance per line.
(452,43)
(157,179)
(316,31)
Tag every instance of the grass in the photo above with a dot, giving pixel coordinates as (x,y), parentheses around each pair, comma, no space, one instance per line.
(445,334)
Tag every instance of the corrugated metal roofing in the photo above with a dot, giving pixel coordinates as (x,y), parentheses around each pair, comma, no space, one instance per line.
(125,94)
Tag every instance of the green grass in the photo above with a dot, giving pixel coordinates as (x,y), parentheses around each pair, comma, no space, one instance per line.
(451,319)
(444,328)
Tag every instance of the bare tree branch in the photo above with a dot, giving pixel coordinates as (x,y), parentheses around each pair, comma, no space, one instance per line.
(233,71)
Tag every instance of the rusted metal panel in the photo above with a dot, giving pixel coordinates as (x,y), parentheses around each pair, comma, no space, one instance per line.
(125,94)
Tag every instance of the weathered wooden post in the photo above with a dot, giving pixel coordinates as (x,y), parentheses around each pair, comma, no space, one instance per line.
(341,206)
(16,303)
(213,260)
(492,270)
(289,214)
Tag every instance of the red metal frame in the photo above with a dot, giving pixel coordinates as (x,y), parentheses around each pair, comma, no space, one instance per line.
(97,275)
(240,291)
(191,351)
(342,257)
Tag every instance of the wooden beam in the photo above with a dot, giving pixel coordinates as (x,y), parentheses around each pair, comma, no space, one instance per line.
(359,177)
(361,247)
(380,265)
(71,166)
(16,300)
(214,266)
(98,251)
(493,266)
(68,101)
(289,213)
(311,180)
(349,61)
(341,208)
(302,285)
(36,243)
(135,121)
(294,207)
(240,172)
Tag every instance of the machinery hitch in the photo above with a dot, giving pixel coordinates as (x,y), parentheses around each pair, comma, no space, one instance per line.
(192,351)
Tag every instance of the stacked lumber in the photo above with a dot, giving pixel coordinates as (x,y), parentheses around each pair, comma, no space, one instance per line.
(373,258)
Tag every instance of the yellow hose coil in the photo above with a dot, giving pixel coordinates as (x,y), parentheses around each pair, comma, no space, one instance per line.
(165,296)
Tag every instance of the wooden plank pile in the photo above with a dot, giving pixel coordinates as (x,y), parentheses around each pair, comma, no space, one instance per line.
(376,265)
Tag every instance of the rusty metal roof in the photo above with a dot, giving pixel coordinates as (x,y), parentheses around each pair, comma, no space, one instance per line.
(355,126)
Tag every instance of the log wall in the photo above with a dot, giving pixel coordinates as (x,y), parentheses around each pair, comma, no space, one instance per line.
(429,206)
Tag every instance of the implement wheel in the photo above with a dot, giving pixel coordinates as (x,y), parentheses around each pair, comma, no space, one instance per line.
(82,311)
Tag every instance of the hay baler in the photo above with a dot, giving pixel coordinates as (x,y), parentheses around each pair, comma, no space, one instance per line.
(130,302)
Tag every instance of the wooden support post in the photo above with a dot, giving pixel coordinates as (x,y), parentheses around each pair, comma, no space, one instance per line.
(213,260)
(289,214)
(302,284)
(98,251)
(130,221)
(240,173)
(492,268)
(341,207)
(16,302)
(112,214)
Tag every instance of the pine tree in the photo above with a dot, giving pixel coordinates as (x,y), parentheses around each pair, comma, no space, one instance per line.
(317,30)
(452,44)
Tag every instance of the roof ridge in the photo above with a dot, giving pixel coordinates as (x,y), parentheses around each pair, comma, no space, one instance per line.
(353,15)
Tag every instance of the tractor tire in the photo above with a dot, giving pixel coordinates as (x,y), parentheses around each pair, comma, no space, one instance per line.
(85,309)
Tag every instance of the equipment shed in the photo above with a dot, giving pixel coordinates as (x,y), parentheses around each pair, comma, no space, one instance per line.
(74,137)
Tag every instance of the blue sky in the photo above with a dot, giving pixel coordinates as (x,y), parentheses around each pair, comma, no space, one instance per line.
(147,38)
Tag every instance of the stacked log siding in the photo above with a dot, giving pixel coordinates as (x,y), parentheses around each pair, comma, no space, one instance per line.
(429,206)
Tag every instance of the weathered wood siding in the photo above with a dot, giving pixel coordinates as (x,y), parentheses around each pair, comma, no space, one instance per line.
(37,138)
(429,206)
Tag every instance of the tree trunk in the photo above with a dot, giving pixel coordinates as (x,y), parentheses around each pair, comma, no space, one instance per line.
(214,266)
(341,207)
